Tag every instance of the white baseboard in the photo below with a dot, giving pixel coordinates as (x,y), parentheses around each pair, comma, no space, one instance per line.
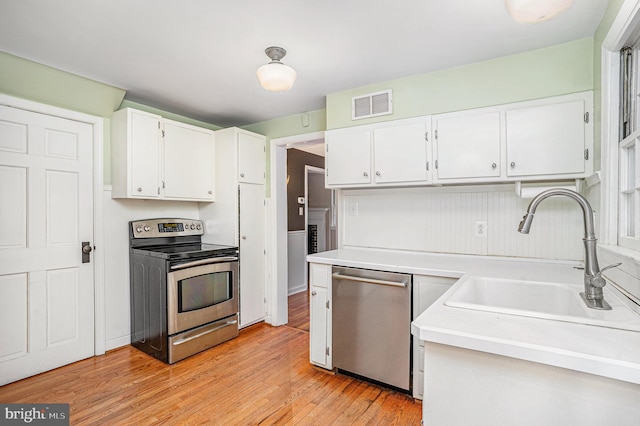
(118,343)
(297,289)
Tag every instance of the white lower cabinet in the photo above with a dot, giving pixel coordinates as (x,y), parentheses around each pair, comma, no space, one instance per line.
(320,323)
(426,290)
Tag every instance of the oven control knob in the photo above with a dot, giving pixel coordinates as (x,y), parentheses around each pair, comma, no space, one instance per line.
(147,228)
(193,226)
(138,229)
(198,227)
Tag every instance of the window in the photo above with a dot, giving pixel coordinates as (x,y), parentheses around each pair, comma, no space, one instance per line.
(629,149)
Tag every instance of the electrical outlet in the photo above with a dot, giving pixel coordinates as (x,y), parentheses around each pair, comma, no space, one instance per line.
(353,209)
(481,229)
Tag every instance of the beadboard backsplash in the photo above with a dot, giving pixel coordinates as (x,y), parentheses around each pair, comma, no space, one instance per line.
(446,220)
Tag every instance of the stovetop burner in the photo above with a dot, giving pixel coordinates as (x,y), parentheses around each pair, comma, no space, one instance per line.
(180,251)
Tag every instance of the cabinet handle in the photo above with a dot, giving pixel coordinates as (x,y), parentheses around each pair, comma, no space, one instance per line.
(494,165)
(313,293)
(244,237)
(377,173)
(513,164)
(365,174)
(210,192)
(139,189)
(241,174)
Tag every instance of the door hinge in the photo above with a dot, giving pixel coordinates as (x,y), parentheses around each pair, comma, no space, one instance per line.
(426,136)
(158,190)
(427,166)
(163,133)
(158,124)
(162,184)
(436,134)
(327,304)
(586,117)
(436,164)
(586,154)
(327,351)
(326,147)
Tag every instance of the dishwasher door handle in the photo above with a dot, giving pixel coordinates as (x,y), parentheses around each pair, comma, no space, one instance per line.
(340,276)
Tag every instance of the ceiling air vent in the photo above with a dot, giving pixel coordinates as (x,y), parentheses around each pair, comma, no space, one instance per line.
(371,105)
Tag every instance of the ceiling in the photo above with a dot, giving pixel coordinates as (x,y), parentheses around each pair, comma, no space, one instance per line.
(198,57)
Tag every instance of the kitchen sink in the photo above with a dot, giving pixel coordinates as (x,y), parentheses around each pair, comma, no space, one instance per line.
(546,300)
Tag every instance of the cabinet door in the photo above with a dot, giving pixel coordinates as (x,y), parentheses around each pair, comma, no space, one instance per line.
(320,315)
(318,326)
(468,146)
(348,160)
(188,162)
(251,158)
(145,148)
(546,140)
(400,153)
(252,252)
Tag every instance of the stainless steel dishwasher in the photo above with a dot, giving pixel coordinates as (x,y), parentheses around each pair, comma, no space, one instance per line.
(372,325)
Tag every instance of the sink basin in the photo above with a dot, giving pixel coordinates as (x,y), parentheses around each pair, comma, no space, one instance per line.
(555,301)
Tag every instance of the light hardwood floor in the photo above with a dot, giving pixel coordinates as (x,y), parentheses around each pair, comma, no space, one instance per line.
(261,377)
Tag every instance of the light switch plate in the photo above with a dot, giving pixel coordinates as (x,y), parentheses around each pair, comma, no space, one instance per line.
(300,200)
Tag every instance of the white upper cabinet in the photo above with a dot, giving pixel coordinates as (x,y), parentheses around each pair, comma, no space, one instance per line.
(550,138)
(467,145)
(392,153)
(155,158)
(547,140)
(348,157)
(136,144)
(188,162)
(251,158)
(400,153)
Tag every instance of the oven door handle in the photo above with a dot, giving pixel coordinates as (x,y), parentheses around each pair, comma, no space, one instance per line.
(205,262)
(210,330)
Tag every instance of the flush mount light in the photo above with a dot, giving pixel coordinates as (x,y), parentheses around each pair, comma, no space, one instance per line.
(534,11)
(276,76)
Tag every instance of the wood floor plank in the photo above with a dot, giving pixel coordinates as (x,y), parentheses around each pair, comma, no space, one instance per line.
(262,377)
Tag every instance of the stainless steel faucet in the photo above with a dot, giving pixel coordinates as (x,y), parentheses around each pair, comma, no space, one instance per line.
(593,281)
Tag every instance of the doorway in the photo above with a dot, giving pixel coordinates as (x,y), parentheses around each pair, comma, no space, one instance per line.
(278,218)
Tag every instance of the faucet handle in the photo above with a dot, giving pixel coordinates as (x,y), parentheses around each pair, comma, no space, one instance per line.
(597,280)
(615,265)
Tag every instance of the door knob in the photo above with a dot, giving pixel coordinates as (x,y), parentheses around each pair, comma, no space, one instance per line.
(86,249)
(244,237)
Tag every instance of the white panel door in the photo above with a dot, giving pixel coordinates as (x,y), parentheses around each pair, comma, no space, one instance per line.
(252,246)
(400,153)
(546,140)
(251,158)
(46,212)
(468,146)
(188,162)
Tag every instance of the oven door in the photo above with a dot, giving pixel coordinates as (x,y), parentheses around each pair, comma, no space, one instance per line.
(201,292)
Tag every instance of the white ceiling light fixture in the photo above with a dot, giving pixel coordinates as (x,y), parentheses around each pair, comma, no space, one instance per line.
(276,76)
(534,11)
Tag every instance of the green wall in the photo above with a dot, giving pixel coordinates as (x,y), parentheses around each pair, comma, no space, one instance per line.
(555,70)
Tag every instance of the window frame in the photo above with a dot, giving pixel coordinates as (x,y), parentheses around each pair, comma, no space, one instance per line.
(613,248)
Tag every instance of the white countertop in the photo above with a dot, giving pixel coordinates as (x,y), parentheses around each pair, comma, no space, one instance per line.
(592,349)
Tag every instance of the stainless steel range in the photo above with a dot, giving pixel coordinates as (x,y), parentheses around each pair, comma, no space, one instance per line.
(184,294)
